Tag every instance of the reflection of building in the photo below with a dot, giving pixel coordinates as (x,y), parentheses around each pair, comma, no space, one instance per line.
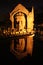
(22,19)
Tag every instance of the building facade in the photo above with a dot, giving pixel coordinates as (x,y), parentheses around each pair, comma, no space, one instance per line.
(22,21)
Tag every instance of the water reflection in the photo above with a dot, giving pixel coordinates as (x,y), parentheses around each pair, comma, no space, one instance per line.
(20,47)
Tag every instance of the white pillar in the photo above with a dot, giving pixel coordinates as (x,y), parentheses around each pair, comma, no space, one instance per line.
(12,23)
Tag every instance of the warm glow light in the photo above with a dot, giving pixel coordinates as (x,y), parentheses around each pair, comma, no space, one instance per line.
(23,20)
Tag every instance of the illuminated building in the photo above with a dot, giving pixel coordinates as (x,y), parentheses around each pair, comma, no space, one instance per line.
(19,14)
(22,23)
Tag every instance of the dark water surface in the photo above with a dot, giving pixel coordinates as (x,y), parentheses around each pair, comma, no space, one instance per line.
(6,55)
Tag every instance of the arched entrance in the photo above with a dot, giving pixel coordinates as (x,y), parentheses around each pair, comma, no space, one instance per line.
(20,21)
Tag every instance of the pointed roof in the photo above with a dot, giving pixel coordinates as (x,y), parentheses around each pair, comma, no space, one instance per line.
(18,8)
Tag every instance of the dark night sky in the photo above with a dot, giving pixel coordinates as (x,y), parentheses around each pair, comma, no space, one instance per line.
(6,6)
